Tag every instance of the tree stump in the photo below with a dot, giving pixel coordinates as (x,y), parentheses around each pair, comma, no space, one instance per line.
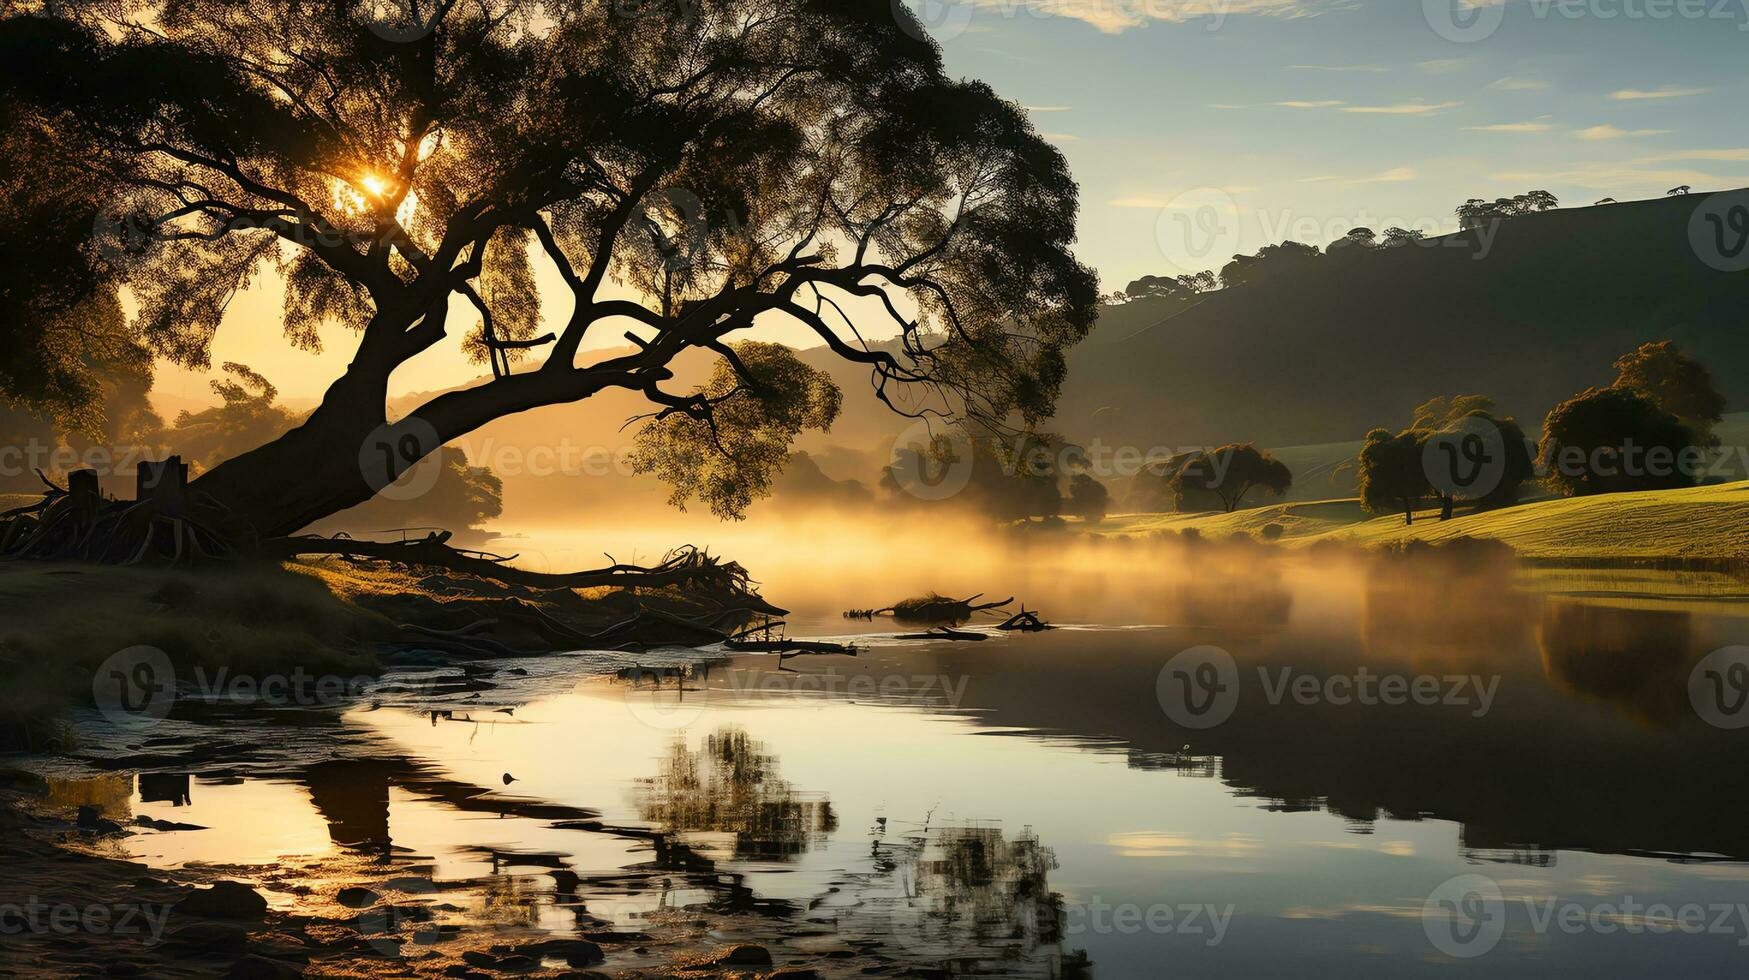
(163,482)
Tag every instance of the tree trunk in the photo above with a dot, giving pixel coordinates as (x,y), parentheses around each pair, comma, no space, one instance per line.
(1409,514)
(1445,508)
(346,452)
(313,471)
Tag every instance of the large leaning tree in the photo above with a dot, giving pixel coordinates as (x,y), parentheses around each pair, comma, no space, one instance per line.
(691,169)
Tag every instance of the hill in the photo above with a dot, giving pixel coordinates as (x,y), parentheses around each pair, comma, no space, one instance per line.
(1530,315)
(1707,523)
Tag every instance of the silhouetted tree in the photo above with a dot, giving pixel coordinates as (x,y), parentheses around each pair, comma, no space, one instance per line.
(1476,212)
(1232,472)
(1357,241)
(1677,383)
(1270,261)
(1610,440)
(730,160)
(1088,498)
(1393,476)
(1398,237)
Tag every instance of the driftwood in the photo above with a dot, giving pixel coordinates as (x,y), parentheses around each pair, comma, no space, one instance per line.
(1025,622)
(688,567)
(944,633)
(745,642)
(936,608)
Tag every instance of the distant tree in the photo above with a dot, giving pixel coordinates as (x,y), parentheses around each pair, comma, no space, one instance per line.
(1615,439)
(1498,481)
(1199,282)
(1679,191)
(1477,213)
(462,495)
(1393,475)
(1232,472)
(1154,287)
(245,418)
(1168,287)
(1398,237)
(1270,261)
(1678,383)
(1357,241)
(1088,498)
(1440,410)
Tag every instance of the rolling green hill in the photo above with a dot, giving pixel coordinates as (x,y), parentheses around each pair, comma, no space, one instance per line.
(1709,523)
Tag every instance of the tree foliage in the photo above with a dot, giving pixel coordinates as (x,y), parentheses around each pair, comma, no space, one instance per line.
(728,442)
(1393,477)
(1478,212)
(1613,440)
(1088,498)
(730,161)
(1677,383)
(1232,472)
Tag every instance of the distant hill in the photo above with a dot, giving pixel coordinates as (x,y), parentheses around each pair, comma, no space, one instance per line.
(1324,354)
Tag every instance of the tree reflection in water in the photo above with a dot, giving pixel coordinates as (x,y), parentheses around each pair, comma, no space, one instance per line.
(730,785)
(970,901)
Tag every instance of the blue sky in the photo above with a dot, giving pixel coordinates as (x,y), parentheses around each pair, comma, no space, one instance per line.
(1302,118)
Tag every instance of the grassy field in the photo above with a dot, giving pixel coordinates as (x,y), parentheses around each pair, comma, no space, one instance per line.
(1709,522)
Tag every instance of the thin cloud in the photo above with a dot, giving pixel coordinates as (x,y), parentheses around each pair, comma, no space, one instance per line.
(1403,108)
(1303,104)
(1396,175)
(1667,92)
(1443,66)
(1048,108)
(1060,137)
(1512,84)
(1715,156)
(1520,127)
(1608,132)
(1115,18)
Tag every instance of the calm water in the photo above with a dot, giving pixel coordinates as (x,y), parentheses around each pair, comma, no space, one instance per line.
(1544,799)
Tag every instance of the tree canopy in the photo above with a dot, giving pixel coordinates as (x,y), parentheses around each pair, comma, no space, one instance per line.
(1678,383)
(1232,472)
(726,161)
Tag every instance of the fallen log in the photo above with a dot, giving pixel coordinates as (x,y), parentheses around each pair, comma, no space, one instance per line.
(944,633)
(688,566)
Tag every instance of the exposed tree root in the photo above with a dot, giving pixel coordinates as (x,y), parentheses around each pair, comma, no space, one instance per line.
(66,526)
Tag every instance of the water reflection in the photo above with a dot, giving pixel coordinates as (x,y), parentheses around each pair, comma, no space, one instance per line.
(1637,660)
(730,786)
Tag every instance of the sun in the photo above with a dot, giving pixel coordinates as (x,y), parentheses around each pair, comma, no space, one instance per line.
(374,184)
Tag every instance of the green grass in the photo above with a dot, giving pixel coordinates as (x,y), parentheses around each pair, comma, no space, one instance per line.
(1708,523)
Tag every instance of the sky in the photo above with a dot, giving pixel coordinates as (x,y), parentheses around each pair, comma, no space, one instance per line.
(1264,120)
(1198,129)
